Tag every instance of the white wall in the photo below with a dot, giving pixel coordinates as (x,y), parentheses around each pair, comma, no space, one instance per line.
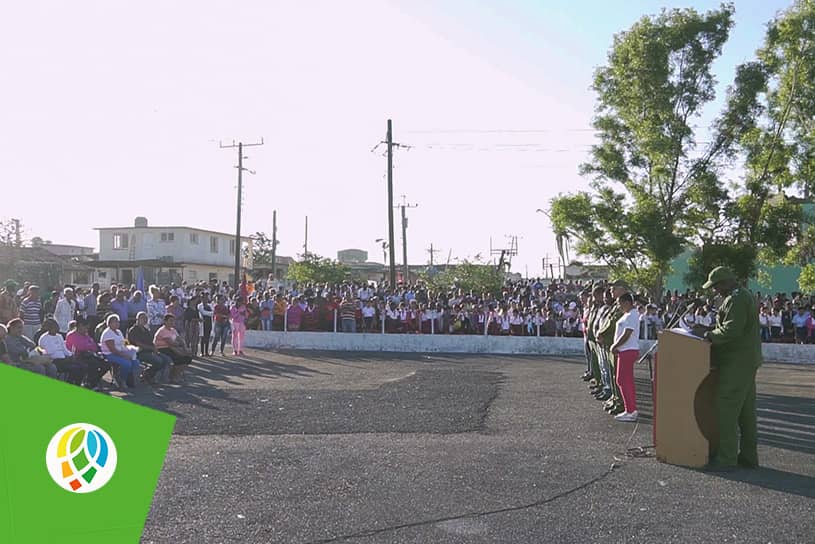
(441,343)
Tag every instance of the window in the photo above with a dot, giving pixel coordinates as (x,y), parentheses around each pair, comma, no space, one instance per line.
(192,275)
(120,241)
(232,247)
(167,236)
(213,276)
(194,238)
(213,244)
(126,277)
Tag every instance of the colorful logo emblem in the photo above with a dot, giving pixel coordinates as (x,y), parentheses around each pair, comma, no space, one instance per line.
(81,458)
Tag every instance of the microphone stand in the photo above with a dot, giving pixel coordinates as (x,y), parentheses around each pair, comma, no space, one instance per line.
(677,318)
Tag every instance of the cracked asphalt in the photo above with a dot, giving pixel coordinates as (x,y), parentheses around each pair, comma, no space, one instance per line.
(387,448)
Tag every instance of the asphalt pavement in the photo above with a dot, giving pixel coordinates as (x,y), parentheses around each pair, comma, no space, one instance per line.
(386,448)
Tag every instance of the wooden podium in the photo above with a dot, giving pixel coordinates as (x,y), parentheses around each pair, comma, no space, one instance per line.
(684,416)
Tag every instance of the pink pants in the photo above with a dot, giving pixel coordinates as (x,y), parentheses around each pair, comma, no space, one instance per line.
(238,332)
(625,378)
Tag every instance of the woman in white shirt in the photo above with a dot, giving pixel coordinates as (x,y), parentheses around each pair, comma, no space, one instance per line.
(116,352)
(626,347)
(776,325)
(53,345)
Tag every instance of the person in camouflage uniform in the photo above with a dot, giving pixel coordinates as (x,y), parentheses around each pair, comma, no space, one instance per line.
(735,357)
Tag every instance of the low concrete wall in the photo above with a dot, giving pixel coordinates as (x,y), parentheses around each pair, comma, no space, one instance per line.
(443,343)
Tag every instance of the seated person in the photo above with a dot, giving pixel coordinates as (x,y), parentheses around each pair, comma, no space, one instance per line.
(85,349)
(4,358)
(140,337)
(22,351)
(52,345)
(169,342)
(123,356)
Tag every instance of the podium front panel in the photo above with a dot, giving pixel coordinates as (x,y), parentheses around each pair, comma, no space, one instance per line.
(685,388)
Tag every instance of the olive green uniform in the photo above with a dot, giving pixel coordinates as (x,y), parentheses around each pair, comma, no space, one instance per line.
(736,355)
(605,331)
(591,318)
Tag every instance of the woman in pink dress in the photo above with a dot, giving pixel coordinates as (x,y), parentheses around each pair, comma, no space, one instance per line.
(238,315)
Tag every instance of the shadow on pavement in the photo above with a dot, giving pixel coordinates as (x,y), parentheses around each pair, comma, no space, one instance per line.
(198,388)
(786,422)
(775,480)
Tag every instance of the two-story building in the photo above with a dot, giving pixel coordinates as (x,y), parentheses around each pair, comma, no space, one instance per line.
(167,254)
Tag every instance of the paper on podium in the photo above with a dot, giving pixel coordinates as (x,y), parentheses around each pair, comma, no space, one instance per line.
(683,332)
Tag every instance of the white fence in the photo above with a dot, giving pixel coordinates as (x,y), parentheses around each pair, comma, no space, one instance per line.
(446,343)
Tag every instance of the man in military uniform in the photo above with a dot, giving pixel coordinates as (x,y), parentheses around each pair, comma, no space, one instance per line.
(736,356)
(594,305)
(605,337)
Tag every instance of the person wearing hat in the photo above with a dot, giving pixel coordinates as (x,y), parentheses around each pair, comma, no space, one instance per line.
(735,356)
(605,337)
(8,302)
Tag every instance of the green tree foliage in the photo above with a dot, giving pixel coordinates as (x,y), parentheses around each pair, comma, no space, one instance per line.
(767,125)
(468,275)
(262,248)
(315,269)
(806,281)
(645,169)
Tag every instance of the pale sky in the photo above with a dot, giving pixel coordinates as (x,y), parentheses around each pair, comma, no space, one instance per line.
(111,110)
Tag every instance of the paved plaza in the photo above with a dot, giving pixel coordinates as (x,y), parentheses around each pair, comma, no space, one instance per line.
(383,448)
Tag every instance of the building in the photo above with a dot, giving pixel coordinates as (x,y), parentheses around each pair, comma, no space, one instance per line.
(65,250)
(352,256)
(167,254)
(43,268)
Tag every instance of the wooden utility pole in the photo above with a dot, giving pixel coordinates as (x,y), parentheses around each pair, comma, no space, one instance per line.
(305,241)
(432,253)
(392,254)
(404,205)
(274,245)
(240,146)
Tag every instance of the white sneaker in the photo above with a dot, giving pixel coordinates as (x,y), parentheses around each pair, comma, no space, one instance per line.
(627,416)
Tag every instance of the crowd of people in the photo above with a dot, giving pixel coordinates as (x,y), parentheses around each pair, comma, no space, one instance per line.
(81,334)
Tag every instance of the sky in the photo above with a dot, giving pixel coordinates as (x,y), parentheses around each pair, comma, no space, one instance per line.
(111,110)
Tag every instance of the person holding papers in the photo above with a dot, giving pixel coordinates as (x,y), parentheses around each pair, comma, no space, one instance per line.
(736,356)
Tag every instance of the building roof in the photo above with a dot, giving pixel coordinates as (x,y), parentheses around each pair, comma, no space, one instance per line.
(35,255)
(224,234)
(137,263)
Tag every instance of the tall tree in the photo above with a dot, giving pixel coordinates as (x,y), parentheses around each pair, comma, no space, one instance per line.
(768,131)
(315,269)
(646,167)
(262,248)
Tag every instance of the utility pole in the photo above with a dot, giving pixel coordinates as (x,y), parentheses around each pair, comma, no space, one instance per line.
(390,144)
(274,245)
(240,146)
(432,253)
(305,241)
(404,205)
(392,254)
